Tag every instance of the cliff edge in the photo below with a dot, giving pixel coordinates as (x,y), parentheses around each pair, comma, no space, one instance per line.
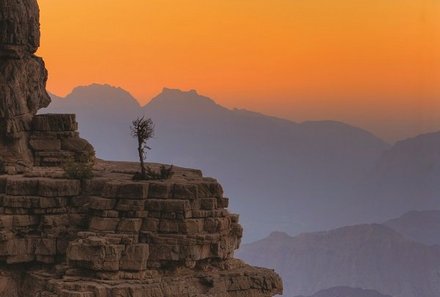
(111,236)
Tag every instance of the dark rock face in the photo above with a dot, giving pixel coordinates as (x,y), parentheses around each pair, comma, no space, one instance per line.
(23,77)
(19,27)
(22,88)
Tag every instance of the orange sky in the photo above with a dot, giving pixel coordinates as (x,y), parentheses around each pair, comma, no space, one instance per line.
(372,63)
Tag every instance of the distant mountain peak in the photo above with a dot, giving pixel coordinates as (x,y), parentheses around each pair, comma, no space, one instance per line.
(104,93)
(177,99)
(172,91)
(178,94)
(276,235)
(99,87)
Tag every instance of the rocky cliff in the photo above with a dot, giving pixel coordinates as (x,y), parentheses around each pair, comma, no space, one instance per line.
(109,235)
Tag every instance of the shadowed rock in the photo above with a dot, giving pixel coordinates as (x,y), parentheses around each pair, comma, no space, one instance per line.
(19,27)
(23,77)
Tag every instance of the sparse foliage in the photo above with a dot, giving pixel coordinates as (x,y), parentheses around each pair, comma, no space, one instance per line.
(165,172)
(82,169)
(143,130)
(150,174)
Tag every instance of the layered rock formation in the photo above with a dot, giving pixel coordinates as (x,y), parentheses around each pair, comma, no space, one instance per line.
(111,236)
(108,236)
(23,79)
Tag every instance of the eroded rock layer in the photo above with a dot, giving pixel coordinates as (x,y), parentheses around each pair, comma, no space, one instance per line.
(19,27)
(111,236)
(23,77)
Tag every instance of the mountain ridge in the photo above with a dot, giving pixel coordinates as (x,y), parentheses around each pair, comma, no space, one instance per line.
(193,94)
(194,91)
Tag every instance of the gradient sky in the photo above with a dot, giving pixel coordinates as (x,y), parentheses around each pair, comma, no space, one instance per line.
(371,63)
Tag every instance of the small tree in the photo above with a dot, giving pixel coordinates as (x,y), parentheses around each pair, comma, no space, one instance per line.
(143,130)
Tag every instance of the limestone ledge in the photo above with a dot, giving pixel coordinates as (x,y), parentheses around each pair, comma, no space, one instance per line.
(128,236)
(104,223)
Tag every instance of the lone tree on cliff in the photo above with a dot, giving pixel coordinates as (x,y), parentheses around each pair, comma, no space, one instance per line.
(143,130)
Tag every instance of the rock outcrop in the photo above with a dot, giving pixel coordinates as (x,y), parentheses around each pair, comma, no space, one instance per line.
(107,236)
(23,79)
(19,27)
(111,236)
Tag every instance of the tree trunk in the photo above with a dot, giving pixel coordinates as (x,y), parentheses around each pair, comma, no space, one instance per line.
(141,158)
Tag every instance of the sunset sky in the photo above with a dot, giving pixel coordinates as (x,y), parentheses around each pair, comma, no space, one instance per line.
(371,63)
